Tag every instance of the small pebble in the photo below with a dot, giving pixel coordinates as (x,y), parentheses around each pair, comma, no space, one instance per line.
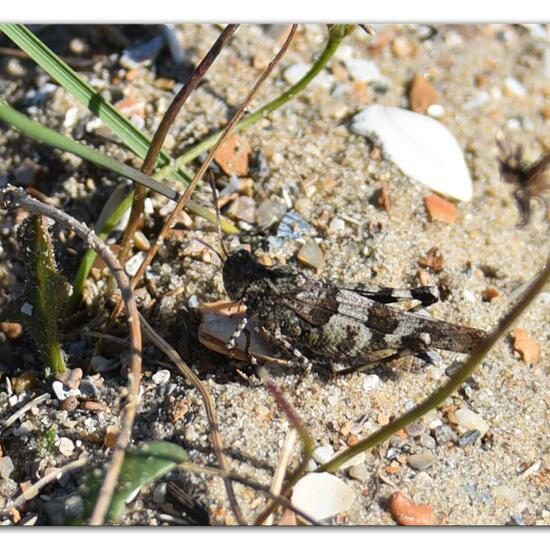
(469,420)
(443,434)
(527,349)
(133,264)
(356,460)
(62,392)
(514,87)
(296,72)
(337,225)
(322,495)
(159,493)
(161,376)
(233,156)
(11,330)
(143,54)
(422,94)
(70,117)
(244,208)
(406,512)
(440,209)
(421,461)
(141,241)
(469,438)
(323,454)
(370,381)
(427,441)
(70,377)
(363,70)
(6,467)
(311,255)
(24,382)
(66,446)
(111,435)
(359,472)
(70,404)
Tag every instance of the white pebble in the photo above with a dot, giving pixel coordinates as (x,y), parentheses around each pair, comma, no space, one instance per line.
(356,460)
(469,420)
(514,87)
(70,117)
(323,454)
(364,70)
(66,446)
(436,110)
(62,392)
(337,225)
(161,376)
(132,265)
(322,495)
(469,295)
(333,400)
(370,382)
(481,99)
(420,146)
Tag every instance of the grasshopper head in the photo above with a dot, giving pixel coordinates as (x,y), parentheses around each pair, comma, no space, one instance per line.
(240,269)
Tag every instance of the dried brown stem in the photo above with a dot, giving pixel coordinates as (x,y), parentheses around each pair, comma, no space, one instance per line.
(153,152)
(12,197)
(209,405)
(204,167)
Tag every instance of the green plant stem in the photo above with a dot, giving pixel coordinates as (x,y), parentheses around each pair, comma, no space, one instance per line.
(336,35)
(439,397)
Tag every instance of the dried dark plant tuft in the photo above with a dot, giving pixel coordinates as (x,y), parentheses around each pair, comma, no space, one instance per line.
(532,180)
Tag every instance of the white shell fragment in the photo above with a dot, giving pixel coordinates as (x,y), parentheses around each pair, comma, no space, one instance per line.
(322,495)
(420,146)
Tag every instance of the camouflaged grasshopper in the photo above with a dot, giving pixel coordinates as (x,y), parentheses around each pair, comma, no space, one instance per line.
(355,325)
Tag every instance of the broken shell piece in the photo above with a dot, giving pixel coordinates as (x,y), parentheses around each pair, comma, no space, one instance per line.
(322,495)
(219,321)
(420,146)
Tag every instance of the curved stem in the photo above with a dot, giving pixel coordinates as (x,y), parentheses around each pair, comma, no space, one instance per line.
(336,34)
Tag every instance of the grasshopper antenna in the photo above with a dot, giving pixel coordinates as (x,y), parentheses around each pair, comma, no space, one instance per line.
(218,224)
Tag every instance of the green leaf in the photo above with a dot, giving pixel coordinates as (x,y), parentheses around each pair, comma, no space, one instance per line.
(141,467)
(41,305)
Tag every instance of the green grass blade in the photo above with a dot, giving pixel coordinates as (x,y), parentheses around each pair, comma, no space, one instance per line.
(133,138)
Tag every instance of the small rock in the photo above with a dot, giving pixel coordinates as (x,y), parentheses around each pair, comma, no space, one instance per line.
(70,378)
(421,461)
(435,110)
(159,493)
(269,212)
(134,263)
(469,420)
(490,293)
(233,155)
(89,389)
(527,348)
(370,381)
(323,454)
(70,117)
(337,225)
(443,434)
(359,472)
(141,241)
(322,495)
(406,512)
(8,488)
(95,406)
(6,467)
(25,381)
(469,438)
(414,430)
(440,209)
(62,392)
(66,446)
(427,441)
(244,208)
(363,70)
(11,330)
(311,255)
(422,94)
(514,87)
(70,404)
(161,376)
(356,460)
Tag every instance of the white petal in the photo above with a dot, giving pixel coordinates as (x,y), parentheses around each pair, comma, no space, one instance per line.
(420,146)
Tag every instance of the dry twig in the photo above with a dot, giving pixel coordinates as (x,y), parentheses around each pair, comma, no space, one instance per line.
(170,115)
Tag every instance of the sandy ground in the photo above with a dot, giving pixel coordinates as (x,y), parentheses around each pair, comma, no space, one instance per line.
(482,483)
